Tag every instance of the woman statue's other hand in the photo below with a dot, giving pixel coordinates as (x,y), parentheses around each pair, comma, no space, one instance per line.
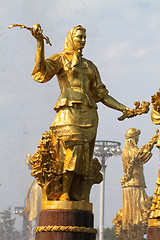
(127,113)
(37,32)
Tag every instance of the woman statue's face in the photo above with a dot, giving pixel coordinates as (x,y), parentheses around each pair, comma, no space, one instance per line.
(79,39)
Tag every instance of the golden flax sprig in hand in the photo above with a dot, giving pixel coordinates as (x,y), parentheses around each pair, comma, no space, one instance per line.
(33,31)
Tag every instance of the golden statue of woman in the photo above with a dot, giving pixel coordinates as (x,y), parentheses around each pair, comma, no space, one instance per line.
(75,126)
(132,219)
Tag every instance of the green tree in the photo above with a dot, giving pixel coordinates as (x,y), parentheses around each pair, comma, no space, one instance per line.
(109,234)
(8,225)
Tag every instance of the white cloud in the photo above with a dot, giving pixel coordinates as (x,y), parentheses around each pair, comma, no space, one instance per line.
(154,21)
(141,53)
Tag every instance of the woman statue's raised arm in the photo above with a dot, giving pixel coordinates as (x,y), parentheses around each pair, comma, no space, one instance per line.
(40,56)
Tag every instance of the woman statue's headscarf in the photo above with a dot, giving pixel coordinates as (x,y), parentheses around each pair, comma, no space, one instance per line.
(72,53)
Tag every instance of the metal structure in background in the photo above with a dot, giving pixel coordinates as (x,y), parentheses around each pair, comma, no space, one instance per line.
(104,150)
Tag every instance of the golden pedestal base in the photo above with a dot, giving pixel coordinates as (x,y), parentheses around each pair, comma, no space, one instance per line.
(67,205)
(154,222)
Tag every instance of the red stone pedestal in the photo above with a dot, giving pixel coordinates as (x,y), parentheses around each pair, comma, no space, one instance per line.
(64,218)
(153,233)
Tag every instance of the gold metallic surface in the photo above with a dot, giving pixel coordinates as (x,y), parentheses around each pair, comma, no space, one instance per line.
(155,209)
(74,205)
(155,113)
(131,220)
(154,218)
(153,222)
(74,229)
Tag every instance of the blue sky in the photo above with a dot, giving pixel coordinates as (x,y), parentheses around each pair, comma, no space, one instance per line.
(123,40)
